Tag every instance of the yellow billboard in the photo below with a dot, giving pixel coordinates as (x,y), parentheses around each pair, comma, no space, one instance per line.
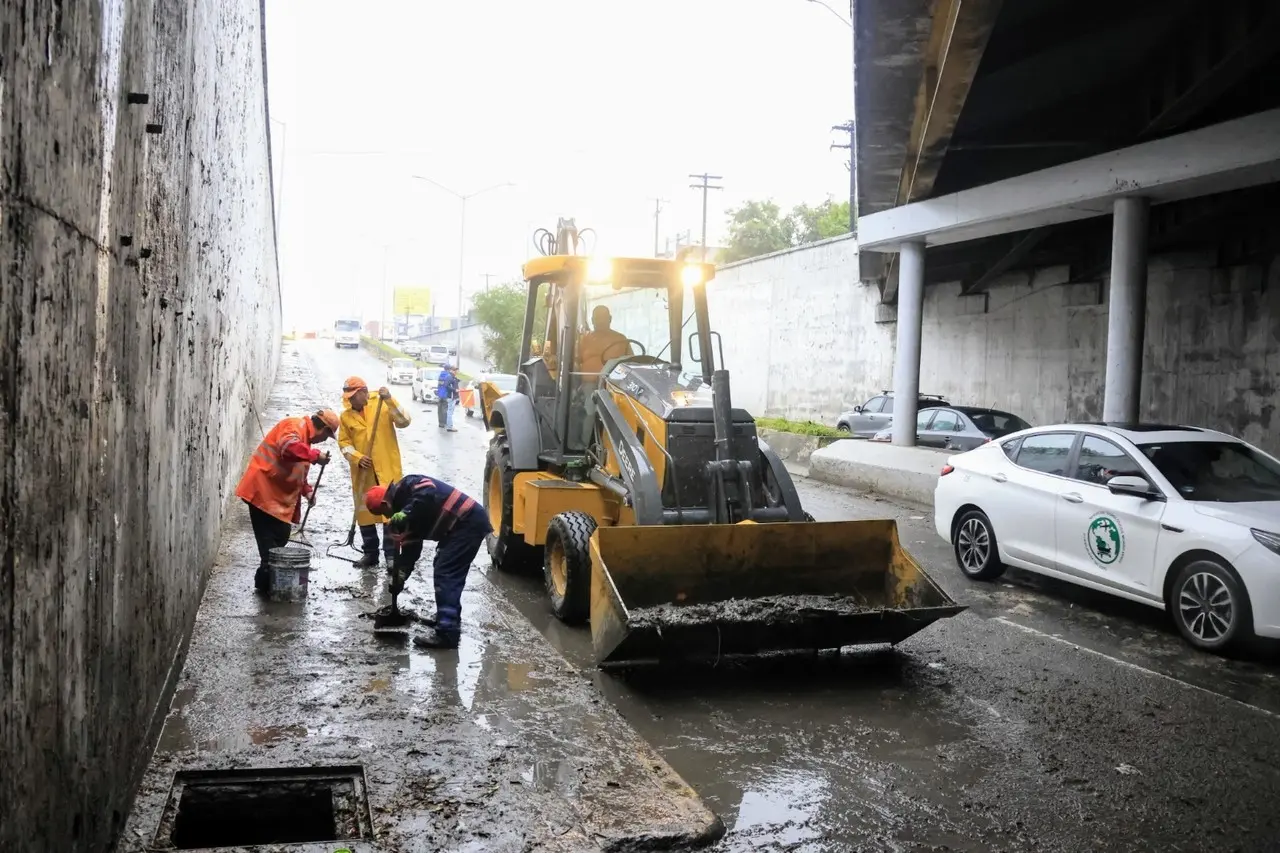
(412,300)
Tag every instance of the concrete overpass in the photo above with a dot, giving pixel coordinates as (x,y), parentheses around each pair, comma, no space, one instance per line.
(994,137)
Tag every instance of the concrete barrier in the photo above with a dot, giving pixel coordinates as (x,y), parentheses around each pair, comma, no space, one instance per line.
(906,473)
(795,449)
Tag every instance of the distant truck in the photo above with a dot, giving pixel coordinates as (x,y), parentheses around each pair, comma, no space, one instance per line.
(346,334)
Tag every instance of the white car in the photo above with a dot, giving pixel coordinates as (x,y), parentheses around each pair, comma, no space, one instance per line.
(411,348)
(424,384)
(436,354)
(1181,518)
(400,371)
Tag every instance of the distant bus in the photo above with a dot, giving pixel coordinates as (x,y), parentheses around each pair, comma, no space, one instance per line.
(346,333)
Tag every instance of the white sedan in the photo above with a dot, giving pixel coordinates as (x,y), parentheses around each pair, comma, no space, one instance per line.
(1181,518)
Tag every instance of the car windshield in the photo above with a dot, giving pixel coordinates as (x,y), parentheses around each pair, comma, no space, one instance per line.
(1225,471)
(347,326)
(997,424)
(402,364)
(439,350)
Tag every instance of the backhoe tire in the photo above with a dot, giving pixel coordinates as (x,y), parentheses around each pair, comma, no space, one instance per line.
(566,567)
(507,549)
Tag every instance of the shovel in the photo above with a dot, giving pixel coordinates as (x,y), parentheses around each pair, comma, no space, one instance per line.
(300,537)
(355,512)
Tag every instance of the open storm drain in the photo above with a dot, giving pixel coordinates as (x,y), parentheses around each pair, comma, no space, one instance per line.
(240,808)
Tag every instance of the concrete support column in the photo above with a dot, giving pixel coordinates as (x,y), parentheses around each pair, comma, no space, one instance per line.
(1126,310)
(906,366)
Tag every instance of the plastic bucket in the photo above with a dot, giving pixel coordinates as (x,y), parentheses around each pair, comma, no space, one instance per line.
(290,570)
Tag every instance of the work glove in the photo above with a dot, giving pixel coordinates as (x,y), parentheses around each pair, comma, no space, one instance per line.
(399,522)
(399,574)
(322,456)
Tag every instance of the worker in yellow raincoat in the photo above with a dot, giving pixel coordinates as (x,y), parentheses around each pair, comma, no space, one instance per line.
(371,465)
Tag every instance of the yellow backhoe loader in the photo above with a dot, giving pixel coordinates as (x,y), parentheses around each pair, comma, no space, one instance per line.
(620,468)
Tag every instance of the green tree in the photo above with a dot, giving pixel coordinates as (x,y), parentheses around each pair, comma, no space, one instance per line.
(758,228)
(821,222)
(500,310)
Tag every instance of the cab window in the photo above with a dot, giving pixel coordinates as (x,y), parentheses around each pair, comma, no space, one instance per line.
(1100,460)
(1048,453)
(873,406)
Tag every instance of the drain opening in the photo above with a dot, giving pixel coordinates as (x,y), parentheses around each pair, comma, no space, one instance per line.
(242,808)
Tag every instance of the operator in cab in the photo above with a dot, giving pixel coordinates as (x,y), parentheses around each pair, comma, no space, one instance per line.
(597,347)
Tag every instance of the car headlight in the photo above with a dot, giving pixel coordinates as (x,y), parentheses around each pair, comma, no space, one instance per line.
(1270,541)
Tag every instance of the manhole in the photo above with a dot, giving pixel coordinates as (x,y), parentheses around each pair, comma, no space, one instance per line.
(241,808)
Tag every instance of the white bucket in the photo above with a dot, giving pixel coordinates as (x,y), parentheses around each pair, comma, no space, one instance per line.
(290,571)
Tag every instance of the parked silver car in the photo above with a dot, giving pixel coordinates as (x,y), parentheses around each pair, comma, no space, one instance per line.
(959,427)
(877,413)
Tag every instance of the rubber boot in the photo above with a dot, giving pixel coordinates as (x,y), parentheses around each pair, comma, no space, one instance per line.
(436,639)
(262,580)
(367,561)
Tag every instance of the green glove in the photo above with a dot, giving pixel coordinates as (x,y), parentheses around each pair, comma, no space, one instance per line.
(399,521)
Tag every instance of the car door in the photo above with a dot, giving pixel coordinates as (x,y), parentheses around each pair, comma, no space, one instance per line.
(1025,497)
(944,424)
(1103,537)
(867,422)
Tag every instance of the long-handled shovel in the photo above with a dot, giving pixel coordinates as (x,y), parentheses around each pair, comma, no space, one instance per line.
(300,537)
(355,512)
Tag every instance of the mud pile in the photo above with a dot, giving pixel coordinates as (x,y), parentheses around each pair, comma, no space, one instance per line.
(771,609)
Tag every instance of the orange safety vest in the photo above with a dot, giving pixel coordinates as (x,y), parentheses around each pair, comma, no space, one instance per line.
(272,483)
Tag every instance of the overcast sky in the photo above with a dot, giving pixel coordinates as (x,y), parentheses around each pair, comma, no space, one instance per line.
(591,108)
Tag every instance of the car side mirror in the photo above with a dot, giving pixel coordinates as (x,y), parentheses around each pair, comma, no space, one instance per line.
(1137,487)
(857,410)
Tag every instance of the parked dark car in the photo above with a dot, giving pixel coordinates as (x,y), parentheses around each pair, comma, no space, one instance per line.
(959,427)
(877,413)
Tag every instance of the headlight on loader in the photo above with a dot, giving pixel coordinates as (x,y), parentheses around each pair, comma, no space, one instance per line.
(599,270)
(691,275)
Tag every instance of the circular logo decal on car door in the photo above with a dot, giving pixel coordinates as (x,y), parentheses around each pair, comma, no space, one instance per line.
(1104,539)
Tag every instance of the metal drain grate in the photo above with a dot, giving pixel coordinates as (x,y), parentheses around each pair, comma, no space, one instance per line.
(241,808)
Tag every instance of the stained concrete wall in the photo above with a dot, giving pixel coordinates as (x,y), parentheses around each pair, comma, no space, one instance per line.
(139,328)
(804,339)
(1037,346)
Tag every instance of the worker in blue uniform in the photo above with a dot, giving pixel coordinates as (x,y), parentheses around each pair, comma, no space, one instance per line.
(423,508)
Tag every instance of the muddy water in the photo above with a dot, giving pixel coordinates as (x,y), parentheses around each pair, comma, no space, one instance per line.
(974,735)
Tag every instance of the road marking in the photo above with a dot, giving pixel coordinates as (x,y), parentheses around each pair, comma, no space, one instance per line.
(1126,664)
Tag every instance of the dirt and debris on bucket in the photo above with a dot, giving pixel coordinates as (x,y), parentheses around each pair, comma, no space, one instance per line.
(770,609)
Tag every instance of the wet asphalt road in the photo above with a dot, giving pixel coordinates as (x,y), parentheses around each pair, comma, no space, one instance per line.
(1043,718)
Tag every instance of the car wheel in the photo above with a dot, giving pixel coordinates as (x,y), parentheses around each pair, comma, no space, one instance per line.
(974,543)
(1210,606)
(843,427)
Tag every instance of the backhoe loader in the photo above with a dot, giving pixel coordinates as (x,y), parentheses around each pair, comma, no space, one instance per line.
(650,504)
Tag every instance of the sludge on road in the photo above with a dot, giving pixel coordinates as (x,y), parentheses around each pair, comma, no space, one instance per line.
(1031,722)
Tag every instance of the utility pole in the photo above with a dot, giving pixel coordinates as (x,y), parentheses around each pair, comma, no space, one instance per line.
(487,276)
(848,127)
(705,185)
(657,213)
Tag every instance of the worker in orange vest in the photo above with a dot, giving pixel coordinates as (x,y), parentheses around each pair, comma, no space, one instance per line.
(276,481)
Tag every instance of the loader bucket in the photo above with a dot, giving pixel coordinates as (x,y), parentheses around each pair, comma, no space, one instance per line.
(661,593)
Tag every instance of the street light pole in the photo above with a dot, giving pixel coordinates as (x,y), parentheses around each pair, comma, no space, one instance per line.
(462,241)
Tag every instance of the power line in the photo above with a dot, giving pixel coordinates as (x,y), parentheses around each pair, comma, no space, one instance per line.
(705,185)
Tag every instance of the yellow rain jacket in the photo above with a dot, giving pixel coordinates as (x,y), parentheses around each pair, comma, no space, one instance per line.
(353,441)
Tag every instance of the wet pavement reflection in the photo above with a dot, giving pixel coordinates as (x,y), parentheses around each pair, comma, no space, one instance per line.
(1000,729)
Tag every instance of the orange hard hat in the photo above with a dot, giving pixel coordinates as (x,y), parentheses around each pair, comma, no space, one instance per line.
(375,498)
(330,420)
(352,385)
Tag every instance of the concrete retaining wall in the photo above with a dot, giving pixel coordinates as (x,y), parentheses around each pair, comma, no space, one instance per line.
(795,449)
(905,473)
(804,340)
(139,328)
(472,340)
